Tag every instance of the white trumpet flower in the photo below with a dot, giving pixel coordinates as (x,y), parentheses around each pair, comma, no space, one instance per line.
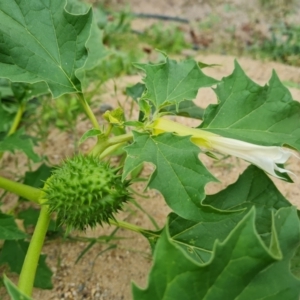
(265,157)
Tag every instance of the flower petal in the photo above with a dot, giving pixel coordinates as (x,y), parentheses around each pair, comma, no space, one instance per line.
(265,157)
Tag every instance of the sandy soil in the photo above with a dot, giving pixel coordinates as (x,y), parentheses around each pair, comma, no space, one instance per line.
(109,275)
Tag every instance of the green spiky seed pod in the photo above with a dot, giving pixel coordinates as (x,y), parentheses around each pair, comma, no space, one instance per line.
(85,192)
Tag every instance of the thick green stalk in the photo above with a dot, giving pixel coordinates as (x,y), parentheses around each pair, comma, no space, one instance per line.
(120,138)
(23,190)
(88,111)
(111,150)
(103,145)
(27,276)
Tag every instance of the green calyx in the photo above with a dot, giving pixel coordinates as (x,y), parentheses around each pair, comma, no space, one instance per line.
(84,192)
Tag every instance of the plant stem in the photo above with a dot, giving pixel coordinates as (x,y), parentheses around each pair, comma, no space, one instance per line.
(128,226)
(17,119)
(88,111)
(102,145)
(23,190)
(30,264)
(110,150)
(16,122)
(109,129)
(120,138)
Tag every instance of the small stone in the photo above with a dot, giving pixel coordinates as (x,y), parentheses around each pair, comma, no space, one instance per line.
(105,107)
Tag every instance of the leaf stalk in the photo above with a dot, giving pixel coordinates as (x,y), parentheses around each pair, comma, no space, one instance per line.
(129,226)
(17,119)
(88,111)
(16,122)
(103,145)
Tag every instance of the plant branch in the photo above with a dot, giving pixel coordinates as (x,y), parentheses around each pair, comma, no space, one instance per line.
(110,150)
(131,227)
(16,122)
(102,145)
(20,189)
(27,276)
(120,138)
(88,111)
(17,119)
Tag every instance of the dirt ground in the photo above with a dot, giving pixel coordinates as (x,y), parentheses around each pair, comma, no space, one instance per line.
(109,275)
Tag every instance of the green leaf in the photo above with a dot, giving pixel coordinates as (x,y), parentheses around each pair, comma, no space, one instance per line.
(9,229)
(18,93)
(295,264)
(19,141)
(96,49)
(135,91)
(51,52)
(277,281)
(30,217)
(172,82)
(241,267)
(5,118)
(25,91)
(259,115)
(145,109)
(13,254)
(178,175)
(186,109)
(13,290)
(38,177)
(252,189)
(77,7)
(5,88)
(197,238)
(90,133)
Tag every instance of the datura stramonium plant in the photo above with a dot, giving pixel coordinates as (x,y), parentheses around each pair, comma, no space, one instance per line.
(265,157)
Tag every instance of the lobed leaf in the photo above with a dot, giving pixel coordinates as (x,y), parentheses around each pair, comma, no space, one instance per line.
(96,50)
(172,82)
(252,189)
(178,175)
(30,217)
(19,141)
(260,115)
(5,119)
(277,281)
(9,229)
(241,267)
(13,253)
(38,177)
(25,91)
(52,52)
(135,91)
